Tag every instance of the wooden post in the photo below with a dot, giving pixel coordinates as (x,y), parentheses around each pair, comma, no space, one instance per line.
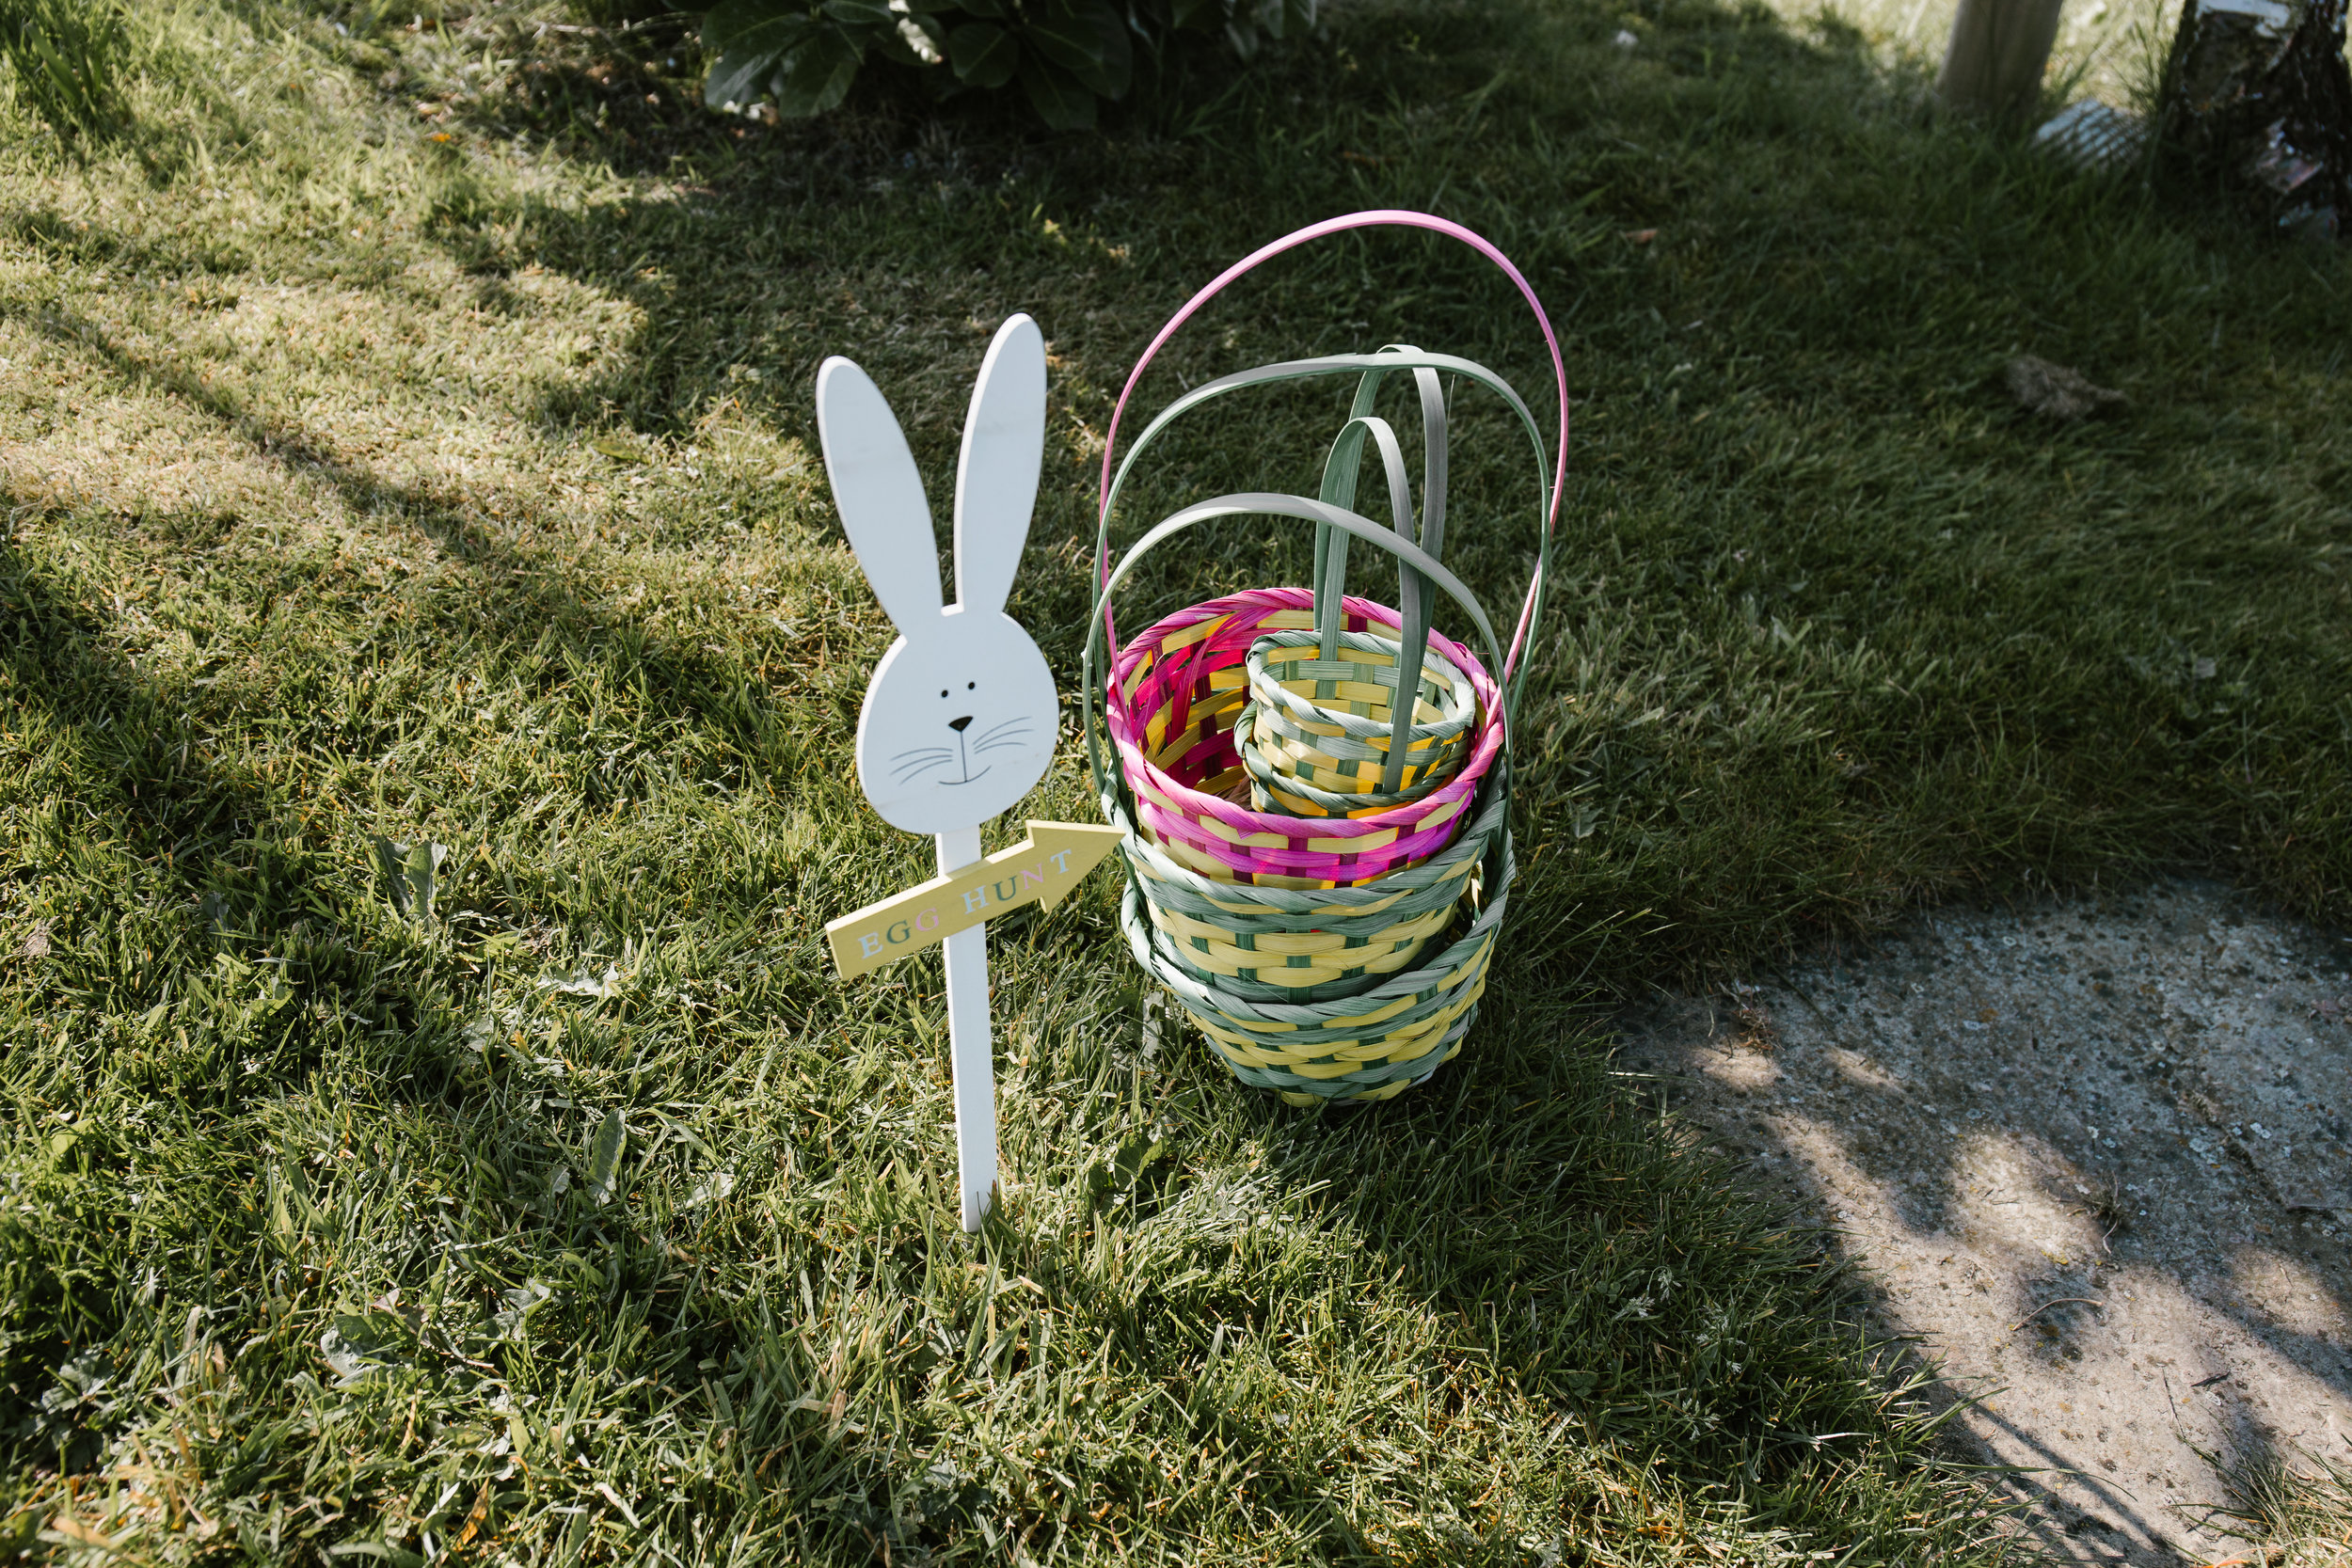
(1999,49)
(970,1049)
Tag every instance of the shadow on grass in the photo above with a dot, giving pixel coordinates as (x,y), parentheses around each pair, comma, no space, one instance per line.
(214,939)
(1325,1326)
(528,590)
(2149,1310)
(202,978)
(1518,1257)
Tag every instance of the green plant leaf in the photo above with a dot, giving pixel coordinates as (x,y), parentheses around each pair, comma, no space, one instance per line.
(710,1189)
(817,76)
(391,859)
(412,875)
(361,1347)
(1200,15)
(992,10)
(424,874)
(1062,100)
(582,981)
(774,26)
(520,1302)
(748,37)
(860,13)
(983,55)
(67,81)
(1089,41)
(604,1158)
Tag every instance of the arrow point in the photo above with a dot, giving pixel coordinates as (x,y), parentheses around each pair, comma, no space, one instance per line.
(1087,844)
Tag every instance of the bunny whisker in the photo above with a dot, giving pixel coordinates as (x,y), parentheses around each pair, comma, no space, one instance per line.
(924,752)
(907,772)
(1010,741)
(997,731)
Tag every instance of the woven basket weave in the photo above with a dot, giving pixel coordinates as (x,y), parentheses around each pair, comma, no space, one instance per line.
(1325,958)
(1177,695)
(1317,869)
(1389,1022)
(1318,734)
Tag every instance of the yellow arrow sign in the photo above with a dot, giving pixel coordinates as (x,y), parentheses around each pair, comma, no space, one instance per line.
(1037,870)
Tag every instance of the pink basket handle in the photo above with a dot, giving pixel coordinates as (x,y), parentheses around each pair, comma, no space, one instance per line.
(1381,218)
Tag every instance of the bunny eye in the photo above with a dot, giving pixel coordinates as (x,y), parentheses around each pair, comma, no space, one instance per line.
(971,685)
(942,691)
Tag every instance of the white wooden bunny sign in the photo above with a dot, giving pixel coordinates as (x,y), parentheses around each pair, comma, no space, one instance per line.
(961,716)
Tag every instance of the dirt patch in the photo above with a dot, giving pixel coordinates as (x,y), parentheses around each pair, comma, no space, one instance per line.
(2093,1156)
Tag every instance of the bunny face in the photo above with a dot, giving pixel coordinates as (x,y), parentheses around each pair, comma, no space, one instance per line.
(958,723)
(961,716)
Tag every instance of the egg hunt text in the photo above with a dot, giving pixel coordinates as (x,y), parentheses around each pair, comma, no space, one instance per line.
(1039,870)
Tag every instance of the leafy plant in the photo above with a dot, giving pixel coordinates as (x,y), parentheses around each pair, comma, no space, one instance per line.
(1066,55)
(412,875)
(67,57)
(604,1158)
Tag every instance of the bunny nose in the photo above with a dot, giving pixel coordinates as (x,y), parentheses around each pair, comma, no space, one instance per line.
(958,724)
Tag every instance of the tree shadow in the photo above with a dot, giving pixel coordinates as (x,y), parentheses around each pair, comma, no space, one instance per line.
(1523,1247)
(198,923)
(504,566)
(2027,1117)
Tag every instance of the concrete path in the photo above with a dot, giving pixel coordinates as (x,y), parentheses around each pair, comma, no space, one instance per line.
(2094,1157)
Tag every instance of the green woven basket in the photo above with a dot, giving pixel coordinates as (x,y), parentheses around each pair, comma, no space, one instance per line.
(1331,992)
(1316,816)
(1318,738)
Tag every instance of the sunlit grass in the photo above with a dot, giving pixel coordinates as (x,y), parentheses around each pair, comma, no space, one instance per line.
(406,433)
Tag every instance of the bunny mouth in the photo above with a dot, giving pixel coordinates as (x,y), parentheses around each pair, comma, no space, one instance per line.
(910,766)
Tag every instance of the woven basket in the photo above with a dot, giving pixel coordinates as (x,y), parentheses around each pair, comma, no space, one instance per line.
(1319,734)
(1177,696)
(1317,870)
(1394,1011)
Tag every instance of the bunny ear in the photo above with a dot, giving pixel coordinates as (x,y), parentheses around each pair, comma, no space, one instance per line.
(878,493)
(1004,442)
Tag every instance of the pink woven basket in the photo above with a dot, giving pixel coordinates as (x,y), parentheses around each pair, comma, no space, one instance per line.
(1175,694)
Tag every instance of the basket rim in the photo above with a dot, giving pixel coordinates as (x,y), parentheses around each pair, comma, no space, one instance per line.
(1268,690)
(1121,722)
(1329,805)
(1321,1023)
(1317,903)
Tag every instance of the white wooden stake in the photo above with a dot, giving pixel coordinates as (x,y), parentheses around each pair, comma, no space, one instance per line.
(960,715)
(970,1051)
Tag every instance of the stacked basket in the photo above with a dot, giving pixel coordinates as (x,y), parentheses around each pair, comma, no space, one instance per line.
(1314,787)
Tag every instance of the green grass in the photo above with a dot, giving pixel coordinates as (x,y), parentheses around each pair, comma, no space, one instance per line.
(2296,1510)
(406,433)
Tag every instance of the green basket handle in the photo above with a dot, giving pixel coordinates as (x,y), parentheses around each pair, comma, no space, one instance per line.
(1532,608)
(1366,368)
(1339,487)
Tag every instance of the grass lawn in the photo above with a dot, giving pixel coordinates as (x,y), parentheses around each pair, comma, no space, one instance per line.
(405,433)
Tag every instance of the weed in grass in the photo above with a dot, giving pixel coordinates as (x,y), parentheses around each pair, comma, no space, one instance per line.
(2296,1508)
(65,60)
